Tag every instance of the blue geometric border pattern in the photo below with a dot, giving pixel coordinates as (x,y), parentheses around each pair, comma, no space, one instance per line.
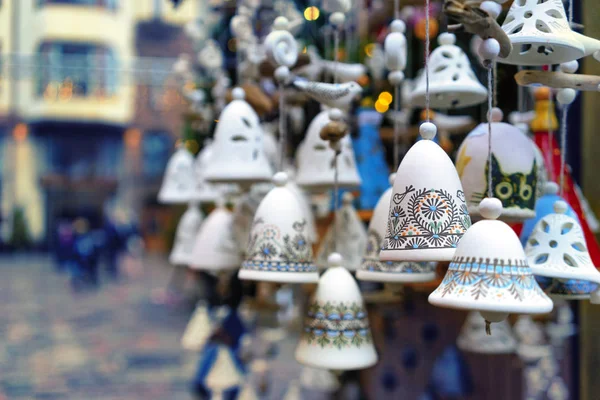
(371,261)
(568,287)
(340,325)
(279,266)
(479,278)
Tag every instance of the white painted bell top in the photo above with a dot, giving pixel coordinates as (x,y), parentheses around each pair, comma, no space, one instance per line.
(426,165)
(236,118)
(491,239)
(337,285)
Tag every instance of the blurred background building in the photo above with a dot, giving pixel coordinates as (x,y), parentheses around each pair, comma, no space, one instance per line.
(85,107)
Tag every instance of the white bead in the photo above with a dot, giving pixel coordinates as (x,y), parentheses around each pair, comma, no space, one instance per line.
(396,77)
(560,207)
(347,198)
(489,49)
(238,93)
(335,260)
(337,19)
(398,25)
(335,114)
(492,8)
(566,96)
(447,38)
(427,130)
(281,24)
(496,115)
(551,188)
(280,179)
(282,74)
(569,67)
(490,208)
(392,178)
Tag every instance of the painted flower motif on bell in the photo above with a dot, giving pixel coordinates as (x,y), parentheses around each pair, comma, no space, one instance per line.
(558,256)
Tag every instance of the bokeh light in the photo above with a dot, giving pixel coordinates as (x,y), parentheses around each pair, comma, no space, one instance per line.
(381,107)
(311,13)
(386,98)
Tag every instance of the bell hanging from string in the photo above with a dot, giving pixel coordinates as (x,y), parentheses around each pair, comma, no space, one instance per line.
(185,236)
(178,183)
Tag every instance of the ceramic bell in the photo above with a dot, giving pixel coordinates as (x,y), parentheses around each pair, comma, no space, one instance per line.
(238,153)
(452,82)
(318,379)
(316,160)
(186,235)
(490,273)
(532,344)
(198,330)
(203,190)
(311,229)
(243,214)
(474,339)
(540,34)
(556,249)
(427,213)
(514,169)
(346,235)
(215,248)
(543,207)
(336,329)
(278,248)
(178,182)
(372,268)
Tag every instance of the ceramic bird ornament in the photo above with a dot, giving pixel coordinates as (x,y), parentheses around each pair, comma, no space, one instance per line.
(336,95)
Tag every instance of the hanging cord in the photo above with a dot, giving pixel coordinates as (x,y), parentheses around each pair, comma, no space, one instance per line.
(490,106)
(396,9)
(336,51)
(520,94)
(550,130)
(495,87)
(396,126)
(570,12)
(282,135)
(336,199)
(563,148)
(427,44)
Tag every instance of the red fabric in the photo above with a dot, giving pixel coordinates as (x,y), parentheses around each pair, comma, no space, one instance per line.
(551,151)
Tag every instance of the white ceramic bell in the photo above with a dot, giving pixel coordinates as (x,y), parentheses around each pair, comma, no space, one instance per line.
(452,83)
(243,214)
(215,248)
(346,235)
(203,190)
(372,268)
(198,329)
(473,337)
(238,153)
(540,34)
(489,272)
(278,248)
(336,329)
(514,169)
(319,379)
(427,214)
(316,160)
(178,182)
(185,236)
(311,229)
(557,249)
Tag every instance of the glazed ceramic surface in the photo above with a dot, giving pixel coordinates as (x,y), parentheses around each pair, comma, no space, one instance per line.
(279,249)
(215,248)
(346,235)
(373,269)
(427,214)
(185,236)
(514,170)
(238,152)
(316,160)
(243,214)
(473,337)
(336,328)
(178,182)
(452,82)
(203,190)
(540,34)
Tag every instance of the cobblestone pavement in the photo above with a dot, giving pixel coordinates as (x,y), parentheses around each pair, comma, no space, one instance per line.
(116,342)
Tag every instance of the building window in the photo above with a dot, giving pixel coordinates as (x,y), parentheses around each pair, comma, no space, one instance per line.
(108,4)
(156,149)
(68,70)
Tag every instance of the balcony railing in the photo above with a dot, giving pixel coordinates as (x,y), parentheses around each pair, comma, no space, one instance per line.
(108,4)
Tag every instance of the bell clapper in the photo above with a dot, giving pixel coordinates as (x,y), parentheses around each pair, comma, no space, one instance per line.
(492,317)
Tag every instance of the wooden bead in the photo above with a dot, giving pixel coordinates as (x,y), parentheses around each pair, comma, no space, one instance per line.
(334,131)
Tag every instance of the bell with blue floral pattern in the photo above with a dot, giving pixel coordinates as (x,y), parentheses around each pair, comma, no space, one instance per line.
(279,249)
(427,214)
(559,258)
(372,268)
(490,273)
(336,332)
